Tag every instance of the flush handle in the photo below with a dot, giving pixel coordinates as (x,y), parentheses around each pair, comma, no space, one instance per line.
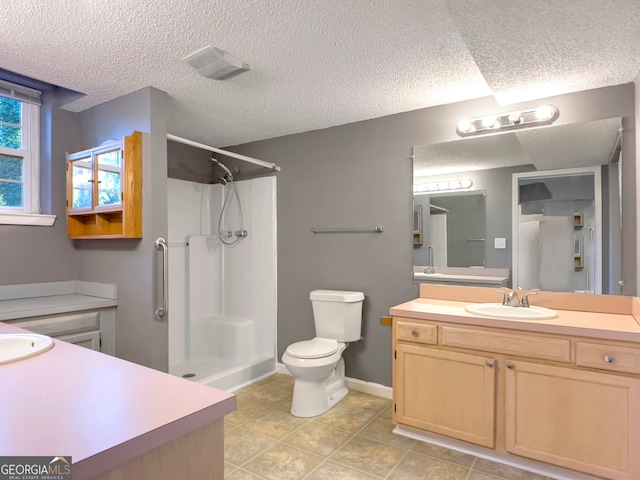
(415,333)
(609,359)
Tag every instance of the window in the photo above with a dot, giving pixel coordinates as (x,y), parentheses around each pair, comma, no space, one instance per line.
(19,149)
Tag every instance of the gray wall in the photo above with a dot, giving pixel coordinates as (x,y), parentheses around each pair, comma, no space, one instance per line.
(44,254)
(361,175)
(132,263)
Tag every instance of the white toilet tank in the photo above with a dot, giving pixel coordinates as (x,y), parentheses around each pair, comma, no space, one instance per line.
(337,314)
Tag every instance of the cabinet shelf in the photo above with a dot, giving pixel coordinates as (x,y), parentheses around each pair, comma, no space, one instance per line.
(104,190)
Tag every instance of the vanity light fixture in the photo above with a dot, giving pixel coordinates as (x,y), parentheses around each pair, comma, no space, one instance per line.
(534,117)
(445,186)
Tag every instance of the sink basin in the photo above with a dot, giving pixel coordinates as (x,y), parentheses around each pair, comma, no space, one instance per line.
(497,310)
(16,346)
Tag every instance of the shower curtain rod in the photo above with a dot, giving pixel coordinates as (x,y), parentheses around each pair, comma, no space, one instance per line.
(244,158)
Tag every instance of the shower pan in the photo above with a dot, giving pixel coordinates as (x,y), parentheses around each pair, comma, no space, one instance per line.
(222,280)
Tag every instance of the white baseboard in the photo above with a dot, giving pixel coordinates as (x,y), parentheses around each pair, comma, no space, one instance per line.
(354,384)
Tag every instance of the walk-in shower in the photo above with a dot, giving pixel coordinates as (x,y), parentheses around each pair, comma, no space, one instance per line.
(222,280)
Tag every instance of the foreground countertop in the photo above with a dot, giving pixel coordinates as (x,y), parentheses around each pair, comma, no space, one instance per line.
(621,325)
(101,410)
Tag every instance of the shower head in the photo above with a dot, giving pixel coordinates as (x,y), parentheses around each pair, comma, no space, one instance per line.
(228,177)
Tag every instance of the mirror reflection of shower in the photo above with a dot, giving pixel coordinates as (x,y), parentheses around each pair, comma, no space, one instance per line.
(226,236)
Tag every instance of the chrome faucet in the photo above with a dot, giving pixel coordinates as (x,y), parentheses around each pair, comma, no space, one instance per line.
(510,298)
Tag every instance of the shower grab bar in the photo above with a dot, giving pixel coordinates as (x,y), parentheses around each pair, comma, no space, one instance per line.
(376,229)
(161,244)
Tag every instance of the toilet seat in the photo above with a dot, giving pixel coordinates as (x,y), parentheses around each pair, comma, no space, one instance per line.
(314,348)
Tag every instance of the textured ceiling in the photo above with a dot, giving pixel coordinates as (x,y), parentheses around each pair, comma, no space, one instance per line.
(317,64)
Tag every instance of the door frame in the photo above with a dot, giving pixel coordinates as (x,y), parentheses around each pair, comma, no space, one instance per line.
(595,170)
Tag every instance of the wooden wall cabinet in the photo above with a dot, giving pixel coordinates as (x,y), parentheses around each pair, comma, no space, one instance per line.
(104,190)
(557,399)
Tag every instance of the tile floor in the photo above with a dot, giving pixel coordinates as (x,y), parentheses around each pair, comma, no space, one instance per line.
(352,441)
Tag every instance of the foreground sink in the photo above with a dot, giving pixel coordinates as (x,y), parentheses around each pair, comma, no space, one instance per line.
(16,346)
(497,310)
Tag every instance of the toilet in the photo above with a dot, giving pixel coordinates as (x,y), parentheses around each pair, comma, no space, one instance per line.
(317,364)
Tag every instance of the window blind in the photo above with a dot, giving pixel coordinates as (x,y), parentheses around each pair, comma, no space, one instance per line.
(18,92)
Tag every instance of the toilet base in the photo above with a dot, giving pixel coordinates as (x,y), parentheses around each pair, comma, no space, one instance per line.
(311,399)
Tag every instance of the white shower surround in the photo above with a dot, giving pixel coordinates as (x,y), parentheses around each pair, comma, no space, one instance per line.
(222,299)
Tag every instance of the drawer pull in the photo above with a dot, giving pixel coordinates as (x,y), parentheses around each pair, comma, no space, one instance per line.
(511,365)
(415,333)
(489,363)
(609,359)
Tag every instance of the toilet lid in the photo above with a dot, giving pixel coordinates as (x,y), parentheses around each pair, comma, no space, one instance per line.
(315,348)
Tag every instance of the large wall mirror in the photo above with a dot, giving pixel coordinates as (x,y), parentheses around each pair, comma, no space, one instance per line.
(469,205)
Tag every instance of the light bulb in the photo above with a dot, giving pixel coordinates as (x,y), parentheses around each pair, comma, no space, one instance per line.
(544,113)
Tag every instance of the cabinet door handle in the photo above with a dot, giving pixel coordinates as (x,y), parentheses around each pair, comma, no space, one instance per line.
(415,333)
(609,359)
(489,363)
(511,365)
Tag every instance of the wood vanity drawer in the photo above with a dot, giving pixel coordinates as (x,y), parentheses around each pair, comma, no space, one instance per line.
(608,357)
(531,346)
(53,325)
(416,332)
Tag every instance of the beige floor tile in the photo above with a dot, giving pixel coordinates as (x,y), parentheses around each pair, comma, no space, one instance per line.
(318,438)
(283,380)
(419,467)
(481,476)
(270,395)
(381,429)
(346,418)
(364,400)
(388,412)
(248,388)
(228,469)
(241,445)
(368,455)
(228,427)
(246,410)
(445,454)
(241,474)
(283,462)
(332,471)
(286,405)
(275,423)
(505,472)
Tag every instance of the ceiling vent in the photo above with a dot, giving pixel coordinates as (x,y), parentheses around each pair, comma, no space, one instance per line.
(214,63)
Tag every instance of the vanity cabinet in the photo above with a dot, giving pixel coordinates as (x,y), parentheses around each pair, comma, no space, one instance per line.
(564,400)
(104,190)
(92,329)
(579,419)
(444,392)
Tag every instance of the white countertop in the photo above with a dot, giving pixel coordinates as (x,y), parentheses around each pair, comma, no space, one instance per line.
(569,322)
(100,410)
(32,300)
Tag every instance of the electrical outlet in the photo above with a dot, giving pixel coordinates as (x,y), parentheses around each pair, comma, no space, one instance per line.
(500,243)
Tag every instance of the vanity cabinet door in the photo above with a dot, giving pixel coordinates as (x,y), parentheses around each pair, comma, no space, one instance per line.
(577,419)
(448,393)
